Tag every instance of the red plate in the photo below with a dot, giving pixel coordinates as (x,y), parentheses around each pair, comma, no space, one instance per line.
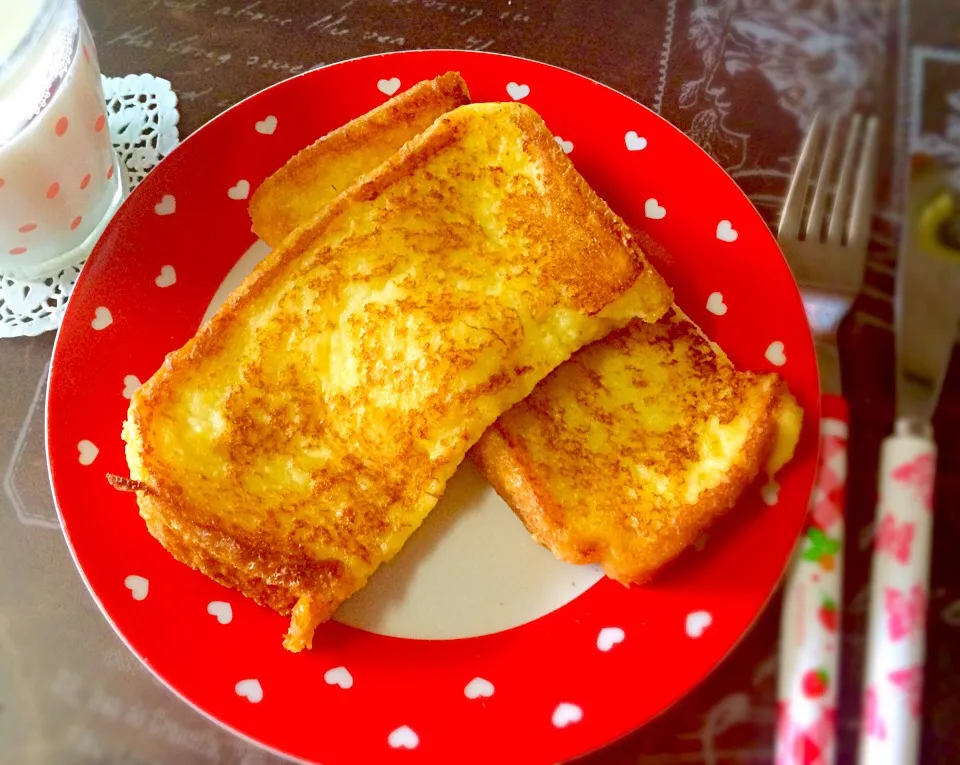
(475,645)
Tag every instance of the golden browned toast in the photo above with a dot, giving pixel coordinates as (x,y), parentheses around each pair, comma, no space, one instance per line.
(624,454)
(693,367)
(313,177)
(298,440)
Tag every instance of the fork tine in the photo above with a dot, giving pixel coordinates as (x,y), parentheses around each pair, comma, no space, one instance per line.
(814,224)
(797,193)
(841,199)
(865,188)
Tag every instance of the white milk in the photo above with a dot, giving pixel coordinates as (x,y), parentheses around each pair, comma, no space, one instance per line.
(18,18)
(58,175)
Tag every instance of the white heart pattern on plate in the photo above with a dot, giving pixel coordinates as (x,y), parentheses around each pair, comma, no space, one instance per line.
(138,586)
(102,318)
(697,623)
(267,125)
(609,637)
(635,142)
(167,277)
(166,206)
(715,304)
(250,689)
(775,355)
(566,714)
(726,232)
(403,737)
(653,210)
(130,385)
(338,676)
(770,493)
(222,610)
(88,452)
(567,146)
(517,91)
(389,87)
(240,191)
(478,688)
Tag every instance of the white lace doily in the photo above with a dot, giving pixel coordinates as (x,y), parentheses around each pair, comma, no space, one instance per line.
(142,115)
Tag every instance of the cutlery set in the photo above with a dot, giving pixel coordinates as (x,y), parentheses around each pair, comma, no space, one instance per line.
(823,231)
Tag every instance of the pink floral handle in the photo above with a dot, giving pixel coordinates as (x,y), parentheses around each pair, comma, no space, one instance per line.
(896,628)
(812,594)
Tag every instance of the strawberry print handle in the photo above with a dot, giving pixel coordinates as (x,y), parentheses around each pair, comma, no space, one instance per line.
(896,632)
(812,594)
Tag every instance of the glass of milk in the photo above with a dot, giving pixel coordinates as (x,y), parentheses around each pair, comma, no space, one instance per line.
(59,177)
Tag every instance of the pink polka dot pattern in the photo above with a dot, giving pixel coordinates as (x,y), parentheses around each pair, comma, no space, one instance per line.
(110,173)
(53,190)
(101,121)
(76,222)
(26,228)
(18,250)
(62,125)
(2,182)
(85,182)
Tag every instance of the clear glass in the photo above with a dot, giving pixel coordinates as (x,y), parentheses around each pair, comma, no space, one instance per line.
(59,180)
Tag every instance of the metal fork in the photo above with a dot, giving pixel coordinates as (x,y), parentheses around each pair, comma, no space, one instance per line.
(824,230)
(827,249)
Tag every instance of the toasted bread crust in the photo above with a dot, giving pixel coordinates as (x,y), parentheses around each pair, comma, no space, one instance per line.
(293,552)
(593,284)
(265,570)
(571,496)
(314,176)
(514,477)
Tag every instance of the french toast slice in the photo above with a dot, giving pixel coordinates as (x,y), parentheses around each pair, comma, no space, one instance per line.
(313,177)
(623,455)
(517,475)
(303,434)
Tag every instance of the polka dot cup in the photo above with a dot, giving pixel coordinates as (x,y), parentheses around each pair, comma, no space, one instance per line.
(59,179)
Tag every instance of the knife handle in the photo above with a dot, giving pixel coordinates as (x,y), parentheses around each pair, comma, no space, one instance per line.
(899,583)
(812,599)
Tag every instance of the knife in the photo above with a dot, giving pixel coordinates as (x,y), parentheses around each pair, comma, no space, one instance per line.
(927,310)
